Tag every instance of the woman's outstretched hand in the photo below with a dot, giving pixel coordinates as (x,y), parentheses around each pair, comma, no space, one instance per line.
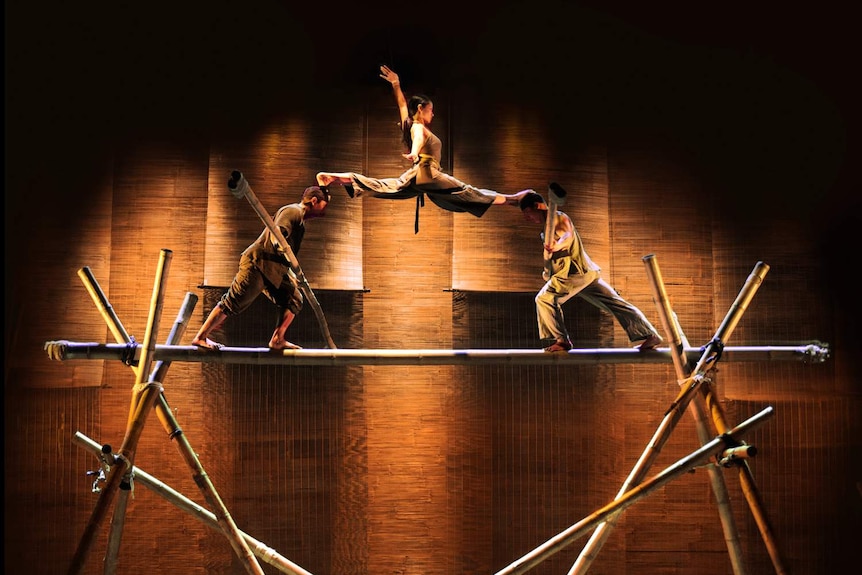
(387,74)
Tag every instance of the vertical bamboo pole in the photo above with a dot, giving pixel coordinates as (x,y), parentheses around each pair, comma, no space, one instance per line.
(158,374)
(556,198)
(710,354)
(240,187)
(698,412)
(166,417)
(143,398)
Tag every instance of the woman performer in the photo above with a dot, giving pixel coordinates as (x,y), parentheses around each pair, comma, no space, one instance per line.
(425,176)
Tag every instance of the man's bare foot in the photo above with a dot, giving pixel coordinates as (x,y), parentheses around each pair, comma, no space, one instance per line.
(559,345)
(649,343)
(282,344)
(207,343)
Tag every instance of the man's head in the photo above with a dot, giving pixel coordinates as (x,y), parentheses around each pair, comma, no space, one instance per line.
(534,208)
(315,199)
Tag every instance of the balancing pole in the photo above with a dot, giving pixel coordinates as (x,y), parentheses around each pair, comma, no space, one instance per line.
(556,198)
(239,187)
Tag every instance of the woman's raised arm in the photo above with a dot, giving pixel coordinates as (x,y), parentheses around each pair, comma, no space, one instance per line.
(390,76)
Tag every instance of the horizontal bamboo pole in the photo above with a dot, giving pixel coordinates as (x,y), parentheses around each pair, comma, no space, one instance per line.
(66,350)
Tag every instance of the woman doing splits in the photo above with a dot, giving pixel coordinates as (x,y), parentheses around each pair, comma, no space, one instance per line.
(425,176)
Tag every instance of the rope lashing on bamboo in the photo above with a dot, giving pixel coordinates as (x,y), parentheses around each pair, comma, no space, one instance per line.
(717,346)
(63,350)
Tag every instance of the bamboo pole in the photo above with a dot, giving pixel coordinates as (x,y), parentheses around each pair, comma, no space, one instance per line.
(240,187)
(749,487)
(556,198)
(618,505)
(169,422)
(698,410)
(200,513)
(143,398)
(684,372)
(103,305)
(64,350)
(673,414)
(158,374)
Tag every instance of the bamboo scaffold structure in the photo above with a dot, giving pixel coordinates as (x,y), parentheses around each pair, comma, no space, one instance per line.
(684,372)
(689,386)
(699,457)
(695,394)
(205,516)
(147,396)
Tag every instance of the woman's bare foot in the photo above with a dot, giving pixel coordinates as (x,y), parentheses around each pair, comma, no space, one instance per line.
(515,199)
(207,343)
(324,179)
(282,344)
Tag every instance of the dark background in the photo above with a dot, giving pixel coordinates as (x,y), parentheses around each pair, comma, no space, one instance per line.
(765,93)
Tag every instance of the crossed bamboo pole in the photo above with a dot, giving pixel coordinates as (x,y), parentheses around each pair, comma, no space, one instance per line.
(684,373)
(711,353)
(145,397)
(713,449)
(205,516)
(693,380)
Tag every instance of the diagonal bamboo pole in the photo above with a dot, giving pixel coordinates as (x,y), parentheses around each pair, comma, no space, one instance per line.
(143,398)
(166,417)
(265,553)
(158,374)
(240,187)
(104,306)
(687,389)
(749,487)
(618,505)
(711,353)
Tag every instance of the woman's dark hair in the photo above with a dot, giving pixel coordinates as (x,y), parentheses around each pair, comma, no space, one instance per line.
(412,107)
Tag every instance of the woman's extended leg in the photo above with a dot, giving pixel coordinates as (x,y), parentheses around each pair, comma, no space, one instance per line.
(343,178)
(511,199)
